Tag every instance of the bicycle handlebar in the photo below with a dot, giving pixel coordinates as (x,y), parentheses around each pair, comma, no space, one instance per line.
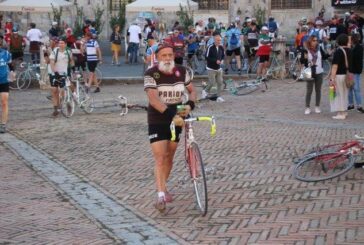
(191,119)
(358,137)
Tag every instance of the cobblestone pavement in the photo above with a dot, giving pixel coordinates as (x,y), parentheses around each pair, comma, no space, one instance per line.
(252,196)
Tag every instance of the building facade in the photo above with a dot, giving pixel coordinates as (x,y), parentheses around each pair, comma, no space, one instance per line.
(288,12)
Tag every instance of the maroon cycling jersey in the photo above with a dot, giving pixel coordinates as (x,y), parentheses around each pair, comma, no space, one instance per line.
(171,89)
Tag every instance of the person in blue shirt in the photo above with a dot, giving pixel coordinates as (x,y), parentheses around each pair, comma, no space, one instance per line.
(5,63)
(232,46)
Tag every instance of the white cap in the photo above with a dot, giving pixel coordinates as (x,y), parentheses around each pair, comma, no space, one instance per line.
(249,20)
(347,13)
(319,22)
(54,23)
(264,28)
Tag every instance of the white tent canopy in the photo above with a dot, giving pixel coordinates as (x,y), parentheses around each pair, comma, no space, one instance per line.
(32,5)
(159,5)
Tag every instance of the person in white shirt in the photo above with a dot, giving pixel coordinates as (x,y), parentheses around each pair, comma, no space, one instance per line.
(134,37)
(34,36)
(60,62)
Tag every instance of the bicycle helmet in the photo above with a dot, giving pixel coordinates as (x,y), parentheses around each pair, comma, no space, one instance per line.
(15,30)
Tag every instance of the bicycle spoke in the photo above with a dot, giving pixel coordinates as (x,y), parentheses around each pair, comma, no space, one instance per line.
(197,170)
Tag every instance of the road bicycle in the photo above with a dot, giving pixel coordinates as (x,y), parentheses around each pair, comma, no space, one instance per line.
(194,161)
(68,99)
(330,161)
(29,73)
(98,74)
(83,99)
(277,68)
(197,62)
(246,87)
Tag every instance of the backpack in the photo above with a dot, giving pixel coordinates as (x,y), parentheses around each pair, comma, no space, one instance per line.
(16,44)
(272,26)
(234,40)
(68,55)
(316,33)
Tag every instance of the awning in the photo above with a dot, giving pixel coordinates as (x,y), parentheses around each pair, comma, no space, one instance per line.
(32,5)
(346,3)
(159,5)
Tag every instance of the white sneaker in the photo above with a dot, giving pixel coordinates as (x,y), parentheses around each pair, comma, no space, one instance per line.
(204,94)
(339,117)
(307,111)
(317,109)
(219,99)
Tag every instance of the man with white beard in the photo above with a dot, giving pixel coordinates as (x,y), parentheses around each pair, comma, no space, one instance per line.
(165,86)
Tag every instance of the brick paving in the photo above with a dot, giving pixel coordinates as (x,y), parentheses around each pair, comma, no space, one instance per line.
(252,196)
(33,212)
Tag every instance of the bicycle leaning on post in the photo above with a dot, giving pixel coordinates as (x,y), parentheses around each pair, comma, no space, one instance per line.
(193,158)
(329,161)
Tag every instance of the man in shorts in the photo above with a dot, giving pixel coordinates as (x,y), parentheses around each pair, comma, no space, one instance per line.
(93,56)
(5,62)
(232,46)
(165,85)
(60,62)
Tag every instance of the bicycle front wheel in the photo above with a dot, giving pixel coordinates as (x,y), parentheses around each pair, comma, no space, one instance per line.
(24,79)
(67,103)
(197,171)
(323,166)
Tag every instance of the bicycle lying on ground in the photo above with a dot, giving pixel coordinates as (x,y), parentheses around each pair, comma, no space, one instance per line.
(329,161)
(246,87)
(120,102)
(194,161)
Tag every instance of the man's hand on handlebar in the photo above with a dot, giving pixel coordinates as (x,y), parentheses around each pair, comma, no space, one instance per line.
(178,121)
(184,111)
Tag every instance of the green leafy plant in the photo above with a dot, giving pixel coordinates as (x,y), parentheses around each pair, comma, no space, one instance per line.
(57,15)
(98,13)
(77,30)
(260,14)
(119,18)
(185,15)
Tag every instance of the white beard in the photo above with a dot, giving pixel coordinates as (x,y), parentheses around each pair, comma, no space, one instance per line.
(166,67)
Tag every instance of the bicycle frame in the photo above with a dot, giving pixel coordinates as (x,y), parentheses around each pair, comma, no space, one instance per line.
(194,160)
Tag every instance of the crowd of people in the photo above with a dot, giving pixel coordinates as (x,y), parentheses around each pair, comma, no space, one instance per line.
(62,52)
(167,80)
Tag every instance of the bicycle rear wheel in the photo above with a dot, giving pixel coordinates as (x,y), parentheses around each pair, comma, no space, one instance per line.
(86,101)
(23,80)
(67,103)
(197,170)
(327,69)
(233,65)
(323,166)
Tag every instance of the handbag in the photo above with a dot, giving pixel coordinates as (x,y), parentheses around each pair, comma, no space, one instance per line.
(349,78)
